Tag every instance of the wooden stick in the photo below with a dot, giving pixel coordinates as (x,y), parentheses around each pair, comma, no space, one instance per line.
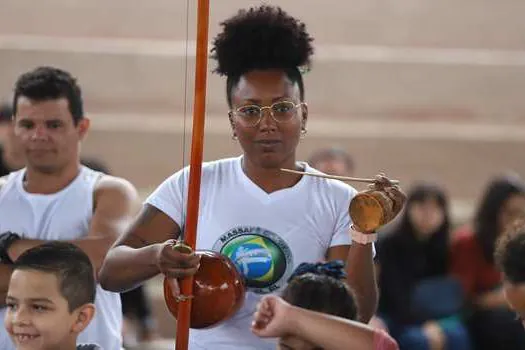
(197,140)
(335,177)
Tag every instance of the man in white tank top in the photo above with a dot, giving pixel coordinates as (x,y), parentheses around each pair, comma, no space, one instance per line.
(55,198)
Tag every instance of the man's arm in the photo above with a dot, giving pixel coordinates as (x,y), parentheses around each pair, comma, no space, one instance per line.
(361,275)
(116,201)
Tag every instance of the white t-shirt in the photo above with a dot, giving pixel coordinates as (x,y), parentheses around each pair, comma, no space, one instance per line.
(64,215)
(266,235)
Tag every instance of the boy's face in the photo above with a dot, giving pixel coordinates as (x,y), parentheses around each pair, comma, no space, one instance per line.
(38,316)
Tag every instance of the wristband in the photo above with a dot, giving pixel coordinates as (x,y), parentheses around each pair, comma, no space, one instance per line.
(362,238)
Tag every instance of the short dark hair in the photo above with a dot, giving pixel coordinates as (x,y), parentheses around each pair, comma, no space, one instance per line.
(329,154)
(263,37)
(49,83)
(69,263)
(510,253)
(6,113)
(318,289)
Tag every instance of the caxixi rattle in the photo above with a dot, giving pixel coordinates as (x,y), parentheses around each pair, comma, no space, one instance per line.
(369,209)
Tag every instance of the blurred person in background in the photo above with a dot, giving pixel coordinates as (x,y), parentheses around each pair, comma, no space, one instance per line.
(510,253)
(490,320)
(11,157)
(419,302)
(139,324)
(332,161)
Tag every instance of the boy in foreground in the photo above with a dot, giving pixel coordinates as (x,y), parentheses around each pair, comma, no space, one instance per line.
(50,298)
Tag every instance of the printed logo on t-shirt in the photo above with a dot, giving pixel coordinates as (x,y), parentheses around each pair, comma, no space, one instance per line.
(262,257)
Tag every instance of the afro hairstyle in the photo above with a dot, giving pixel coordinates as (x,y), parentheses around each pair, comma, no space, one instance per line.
(261,38)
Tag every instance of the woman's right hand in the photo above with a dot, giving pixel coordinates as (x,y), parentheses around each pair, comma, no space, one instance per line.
(175,264)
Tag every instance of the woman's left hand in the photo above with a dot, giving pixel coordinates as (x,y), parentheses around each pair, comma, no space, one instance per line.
(394,192)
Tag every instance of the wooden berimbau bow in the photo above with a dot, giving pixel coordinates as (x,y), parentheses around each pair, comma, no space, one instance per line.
(197,142)
(217,290)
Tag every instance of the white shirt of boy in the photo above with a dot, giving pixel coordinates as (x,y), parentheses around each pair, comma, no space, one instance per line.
(266,235)
(65,215)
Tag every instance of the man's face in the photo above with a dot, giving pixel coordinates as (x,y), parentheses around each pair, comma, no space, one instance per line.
(47,134)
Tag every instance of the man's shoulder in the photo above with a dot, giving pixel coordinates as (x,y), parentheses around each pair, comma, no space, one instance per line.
(114,186)
(113,182)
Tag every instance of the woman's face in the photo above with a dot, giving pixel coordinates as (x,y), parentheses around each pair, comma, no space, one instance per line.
(268,144)
(511,209)
(426,216)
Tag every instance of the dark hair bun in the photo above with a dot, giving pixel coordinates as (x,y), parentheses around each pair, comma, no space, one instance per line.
(262,37)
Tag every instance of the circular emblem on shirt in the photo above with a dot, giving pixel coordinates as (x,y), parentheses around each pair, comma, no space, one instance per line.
(261,256)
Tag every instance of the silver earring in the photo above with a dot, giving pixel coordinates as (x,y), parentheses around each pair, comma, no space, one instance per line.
(234,137)
(303,132)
